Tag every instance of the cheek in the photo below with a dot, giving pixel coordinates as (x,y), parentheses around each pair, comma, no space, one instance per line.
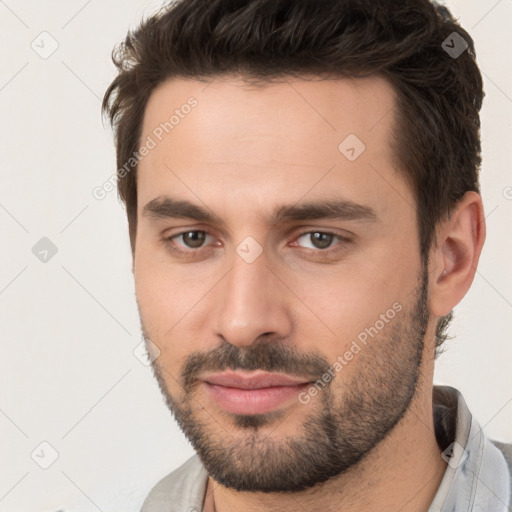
(156,301)
(353,296)
(172,309)
(164,291)
(151,299)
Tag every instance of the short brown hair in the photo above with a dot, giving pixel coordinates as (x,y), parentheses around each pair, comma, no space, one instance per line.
(439,94)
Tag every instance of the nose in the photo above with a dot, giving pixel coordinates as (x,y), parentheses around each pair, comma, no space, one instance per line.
(252,301)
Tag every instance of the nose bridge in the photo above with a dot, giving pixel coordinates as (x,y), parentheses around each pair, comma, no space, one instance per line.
(249,302)
(245,288)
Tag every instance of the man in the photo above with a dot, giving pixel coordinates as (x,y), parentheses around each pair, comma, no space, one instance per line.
(301,184)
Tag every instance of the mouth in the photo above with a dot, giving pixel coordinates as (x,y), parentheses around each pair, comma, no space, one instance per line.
(252,393)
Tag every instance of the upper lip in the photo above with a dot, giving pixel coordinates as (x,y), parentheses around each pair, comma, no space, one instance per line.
(252,380)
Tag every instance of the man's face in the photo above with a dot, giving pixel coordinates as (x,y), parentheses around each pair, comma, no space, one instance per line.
(336,300)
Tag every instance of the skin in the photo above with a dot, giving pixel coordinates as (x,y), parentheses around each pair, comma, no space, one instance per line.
(240,153)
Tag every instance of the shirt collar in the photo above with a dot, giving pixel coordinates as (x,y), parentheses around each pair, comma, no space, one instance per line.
(477,475)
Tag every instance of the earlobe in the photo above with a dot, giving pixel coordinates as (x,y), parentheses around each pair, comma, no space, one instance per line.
(460,239)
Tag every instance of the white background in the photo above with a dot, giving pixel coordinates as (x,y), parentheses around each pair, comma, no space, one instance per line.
(68,327)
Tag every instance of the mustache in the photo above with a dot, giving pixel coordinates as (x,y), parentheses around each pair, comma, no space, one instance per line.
(268,356)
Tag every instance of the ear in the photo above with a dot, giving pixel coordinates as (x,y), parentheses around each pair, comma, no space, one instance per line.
(454,257)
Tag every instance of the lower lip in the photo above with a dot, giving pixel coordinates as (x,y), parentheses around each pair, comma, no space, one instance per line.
(253,401)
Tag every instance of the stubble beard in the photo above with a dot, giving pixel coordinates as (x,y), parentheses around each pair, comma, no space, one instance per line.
(347,419)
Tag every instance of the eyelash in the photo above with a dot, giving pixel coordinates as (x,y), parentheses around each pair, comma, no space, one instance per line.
(168,241)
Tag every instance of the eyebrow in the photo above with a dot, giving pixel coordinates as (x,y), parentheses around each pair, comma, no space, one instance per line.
(166,207)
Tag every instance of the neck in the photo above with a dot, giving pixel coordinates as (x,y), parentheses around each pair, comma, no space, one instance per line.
(402,472)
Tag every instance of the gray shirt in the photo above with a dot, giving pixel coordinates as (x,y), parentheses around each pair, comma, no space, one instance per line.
(477,477)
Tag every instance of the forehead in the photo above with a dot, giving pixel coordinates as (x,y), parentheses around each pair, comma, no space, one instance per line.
(283,138)
(290,110)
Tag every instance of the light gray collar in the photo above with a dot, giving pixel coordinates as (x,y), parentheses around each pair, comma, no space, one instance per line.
(477,477)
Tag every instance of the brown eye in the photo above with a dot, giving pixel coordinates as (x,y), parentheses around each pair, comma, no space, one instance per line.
(193,239)
(188,244)
(319,239)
